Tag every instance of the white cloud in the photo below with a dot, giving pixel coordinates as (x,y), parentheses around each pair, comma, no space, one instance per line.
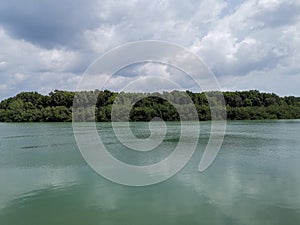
(242,43)
(25,66)
(57,60)
(253,45)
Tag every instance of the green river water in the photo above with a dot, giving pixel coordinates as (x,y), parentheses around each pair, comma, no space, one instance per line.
(255,178)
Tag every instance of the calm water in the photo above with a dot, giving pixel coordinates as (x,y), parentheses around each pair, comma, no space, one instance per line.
(255,179)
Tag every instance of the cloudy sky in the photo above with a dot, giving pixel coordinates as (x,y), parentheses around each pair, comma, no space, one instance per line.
(251,44)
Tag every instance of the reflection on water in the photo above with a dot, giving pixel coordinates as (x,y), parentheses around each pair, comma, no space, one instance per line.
(254,180)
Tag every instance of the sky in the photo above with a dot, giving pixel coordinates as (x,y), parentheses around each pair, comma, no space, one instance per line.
(49,44)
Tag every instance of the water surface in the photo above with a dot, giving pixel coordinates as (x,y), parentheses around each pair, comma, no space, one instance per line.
(255,178)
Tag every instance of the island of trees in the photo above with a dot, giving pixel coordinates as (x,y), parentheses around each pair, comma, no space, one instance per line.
(57,106)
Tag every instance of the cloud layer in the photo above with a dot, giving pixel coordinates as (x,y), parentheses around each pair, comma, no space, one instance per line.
(251,44)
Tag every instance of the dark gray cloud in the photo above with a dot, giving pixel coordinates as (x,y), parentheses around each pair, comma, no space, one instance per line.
(48,23)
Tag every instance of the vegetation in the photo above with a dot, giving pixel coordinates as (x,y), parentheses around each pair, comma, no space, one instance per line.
(57,106)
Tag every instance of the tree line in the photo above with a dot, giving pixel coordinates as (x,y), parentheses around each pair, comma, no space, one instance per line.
(58,106)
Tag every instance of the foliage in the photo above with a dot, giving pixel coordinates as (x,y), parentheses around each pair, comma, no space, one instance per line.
(57,106)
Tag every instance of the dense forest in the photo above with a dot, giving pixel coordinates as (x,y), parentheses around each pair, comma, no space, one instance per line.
(57,106)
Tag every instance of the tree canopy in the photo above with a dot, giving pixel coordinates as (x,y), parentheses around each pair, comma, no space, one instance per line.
(57,106)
